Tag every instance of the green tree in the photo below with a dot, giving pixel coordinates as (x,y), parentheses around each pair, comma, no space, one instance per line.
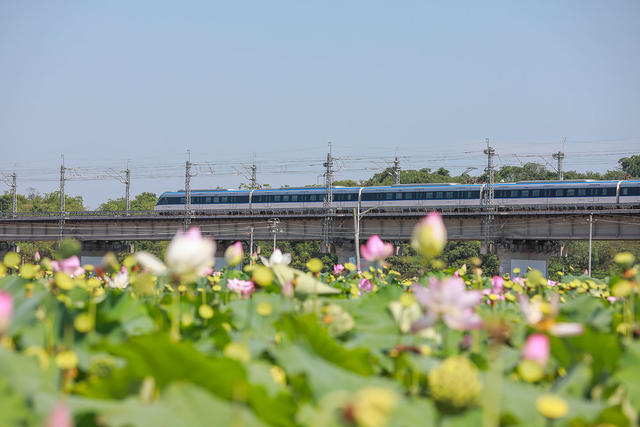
(142,202)
(631,165)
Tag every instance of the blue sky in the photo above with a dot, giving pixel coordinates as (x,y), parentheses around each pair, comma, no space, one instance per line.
(107,82)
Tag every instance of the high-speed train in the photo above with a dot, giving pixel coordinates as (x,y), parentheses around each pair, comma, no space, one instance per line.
(545,194)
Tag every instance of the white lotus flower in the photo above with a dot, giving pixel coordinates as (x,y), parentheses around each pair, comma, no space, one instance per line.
(189,255)
(120,280)
(277,258)
(151,263)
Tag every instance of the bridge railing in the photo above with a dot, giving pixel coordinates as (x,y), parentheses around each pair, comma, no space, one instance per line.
(316,212)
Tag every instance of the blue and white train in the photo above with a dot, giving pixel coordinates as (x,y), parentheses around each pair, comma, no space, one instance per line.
(548,194)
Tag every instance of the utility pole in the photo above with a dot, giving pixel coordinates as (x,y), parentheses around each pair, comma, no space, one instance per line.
(559,156)
(328,200)
(396,171)
(62,200)
(591,221)
(254,175)
(356,229)
(127,197)
(273,226)
(489,195)
(251,245)
(187,190)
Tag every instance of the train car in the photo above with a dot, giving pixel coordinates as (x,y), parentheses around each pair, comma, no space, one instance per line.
(548,194)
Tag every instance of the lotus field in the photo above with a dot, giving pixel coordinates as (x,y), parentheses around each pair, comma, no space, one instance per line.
(175,342)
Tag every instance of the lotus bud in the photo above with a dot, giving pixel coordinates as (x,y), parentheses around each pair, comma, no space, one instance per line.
(234,254)
(6,311)
(429,235)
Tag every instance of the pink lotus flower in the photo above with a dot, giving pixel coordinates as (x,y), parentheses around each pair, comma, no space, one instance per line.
(429,235)
(70,265)
(36,256)
(497,289)
(537,348)
(6,311)
(244,287)
(551,282)
(376,250)
(60,416)
(450,301)
(234,253)
(338,269)
(365,285)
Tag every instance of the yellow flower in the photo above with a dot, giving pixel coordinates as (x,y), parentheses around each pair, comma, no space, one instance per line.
(67,359)
(205,311)
(83,322)
(11,259)
(264,309)
(262,275)
(372,406)
(552,406)
(314,265)
(237,351)
(350,266)
(278,375)
(28,271)
(624,259)
(63,281)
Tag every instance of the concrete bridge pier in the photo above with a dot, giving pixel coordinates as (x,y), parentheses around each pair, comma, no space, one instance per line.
(346,252)
(524,254)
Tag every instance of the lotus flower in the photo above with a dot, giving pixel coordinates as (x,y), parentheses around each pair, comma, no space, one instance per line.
(365,285)
(450,301)
(60,416)
(234,253)
(338,269)
(243,287)
(6,311)
(376,250)
(151,263)
(276,258)
(429,235)
(120,280)
(189,255)
(542,315)
(537,348)
(36,256)
(70,265)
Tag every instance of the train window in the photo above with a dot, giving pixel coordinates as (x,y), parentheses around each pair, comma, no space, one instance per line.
(535,193)
(294,197)
(398,196)
(242,199)
(276,198)
(389,196)
(624,191)
(571,192)
(224,199)
(559,193)
(582,192)
(515,193)
(448,195)
(439,194)
(285,198)
(312,197)
(430,195)
(524,193)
